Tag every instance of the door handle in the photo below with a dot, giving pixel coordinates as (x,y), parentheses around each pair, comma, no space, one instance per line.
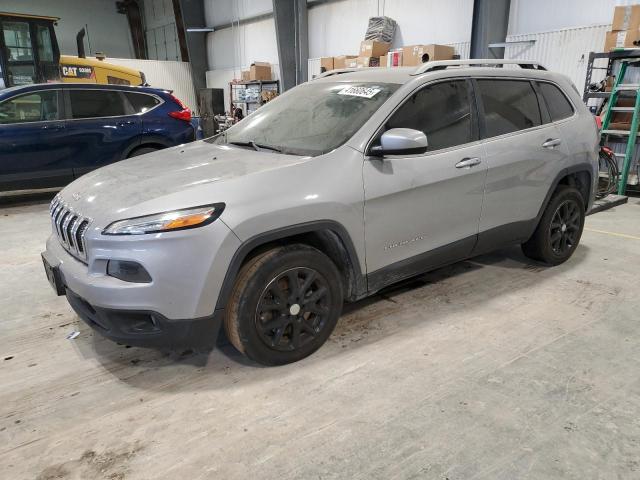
(123,123)
(551,142)
(468,162)
(55,126)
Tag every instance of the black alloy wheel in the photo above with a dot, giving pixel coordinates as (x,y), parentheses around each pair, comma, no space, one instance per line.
(565,227)
(284,305)
(558,232)
(293,309)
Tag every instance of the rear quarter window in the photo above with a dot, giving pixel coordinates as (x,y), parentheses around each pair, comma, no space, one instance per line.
(557,103)
(141,102)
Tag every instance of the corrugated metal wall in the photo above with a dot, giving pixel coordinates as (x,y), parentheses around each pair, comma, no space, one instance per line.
(565,51)
(171,75)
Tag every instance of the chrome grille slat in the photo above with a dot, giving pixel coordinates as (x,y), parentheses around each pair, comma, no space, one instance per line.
(70,227)
(74,229)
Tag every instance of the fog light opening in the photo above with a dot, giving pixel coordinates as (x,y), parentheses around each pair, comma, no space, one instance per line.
(128,271)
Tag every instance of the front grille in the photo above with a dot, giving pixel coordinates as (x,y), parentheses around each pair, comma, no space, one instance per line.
(70,228)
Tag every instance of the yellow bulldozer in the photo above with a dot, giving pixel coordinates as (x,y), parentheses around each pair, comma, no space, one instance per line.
(29,53)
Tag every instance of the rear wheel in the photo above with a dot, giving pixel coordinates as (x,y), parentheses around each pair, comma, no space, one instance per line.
(284,305)
(560,228)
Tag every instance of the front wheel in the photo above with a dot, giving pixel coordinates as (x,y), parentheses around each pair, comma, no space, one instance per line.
(560,228)
(284,305)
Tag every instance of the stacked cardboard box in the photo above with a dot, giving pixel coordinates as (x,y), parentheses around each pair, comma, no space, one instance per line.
(257,71)
(625,28)
(326,64)
(371,53)
(414,55)
(342,61)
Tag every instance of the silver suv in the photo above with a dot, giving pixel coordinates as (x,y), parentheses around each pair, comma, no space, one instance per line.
(332,191)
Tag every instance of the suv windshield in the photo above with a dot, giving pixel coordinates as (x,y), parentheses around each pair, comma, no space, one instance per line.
(311,119)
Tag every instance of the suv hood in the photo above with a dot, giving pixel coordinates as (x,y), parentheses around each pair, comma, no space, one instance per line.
(172,178)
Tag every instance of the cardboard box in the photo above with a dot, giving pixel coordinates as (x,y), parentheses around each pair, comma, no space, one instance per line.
(621,39)
(371,48)
(415,55)
(626,18)
(341,61)
(260,71)
(352,62)
(382,61)
(326,64)
(364,62)
(245,75)
(394,59)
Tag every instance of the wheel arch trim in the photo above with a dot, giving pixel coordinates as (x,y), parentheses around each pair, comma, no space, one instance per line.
(577,168)
(358,287)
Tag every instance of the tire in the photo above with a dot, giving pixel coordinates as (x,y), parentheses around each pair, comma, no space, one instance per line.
(273,325)
(141,151)
(558,233)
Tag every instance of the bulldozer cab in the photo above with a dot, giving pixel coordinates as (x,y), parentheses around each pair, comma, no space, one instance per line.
(28,49)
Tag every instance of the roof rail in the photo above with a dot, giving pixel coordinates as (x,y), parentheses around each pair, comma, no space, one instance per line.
(338,71)
(476,62)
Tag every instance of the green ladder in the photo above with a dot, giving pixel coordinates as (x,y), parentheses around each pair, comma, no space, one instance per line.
(618,87)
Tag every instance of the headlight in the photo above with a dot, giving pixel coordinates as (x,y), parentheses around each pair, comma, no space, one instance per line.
(167,221)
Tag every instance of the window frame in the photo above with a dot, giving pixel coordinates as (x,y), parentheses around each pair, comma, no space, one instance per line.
(61,110)
(574,110)
(129,110)
(475,118)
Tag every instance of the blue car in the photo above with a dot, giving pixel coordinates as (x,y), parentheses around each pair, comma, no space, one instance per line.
(52,133)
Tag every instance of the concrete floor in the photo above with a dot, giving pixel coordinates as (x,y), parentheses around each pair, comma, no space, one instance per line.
(493,368)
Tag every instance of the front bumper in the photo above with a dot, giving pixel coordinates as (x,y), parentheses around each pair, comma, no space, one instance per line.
(176,308)
(146,328)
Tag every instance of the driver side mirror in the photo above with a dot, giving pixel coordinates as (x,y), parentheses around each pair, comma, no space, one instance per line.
(400,141)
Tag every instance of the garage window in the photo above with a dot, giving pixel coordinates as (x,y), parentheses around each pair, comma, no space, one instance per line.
(33,107)
(442,111)
(509,106)
(96,103)
(141,103)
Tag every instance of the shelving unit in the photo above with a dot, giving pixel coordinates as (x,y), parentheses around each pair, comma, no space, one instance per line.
(248,95)
(616,141)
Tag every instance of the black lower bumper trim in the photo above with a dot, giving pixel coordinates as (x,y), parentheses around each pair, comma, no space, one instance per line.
(147,328)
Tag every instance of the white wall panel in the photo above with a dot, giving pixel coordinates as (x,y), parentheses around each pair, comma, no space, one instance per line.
(219,12)
(565,51)
(238,47)
(174,76)
(527,16)
(337,28)
(461,48)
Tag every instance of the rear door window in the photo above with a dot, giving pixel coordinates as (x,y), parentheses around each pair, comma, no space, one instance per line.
(140,102)
(32,107)
(442,111)
(557,103)
(509,106)
(96,103)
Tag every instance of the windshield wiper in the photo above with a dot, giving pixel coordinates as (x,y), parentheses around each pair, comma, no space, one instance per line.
(256,146)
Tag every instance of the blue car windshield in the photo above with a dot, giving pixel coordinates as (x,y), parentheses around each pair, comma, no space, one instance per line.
(311,119)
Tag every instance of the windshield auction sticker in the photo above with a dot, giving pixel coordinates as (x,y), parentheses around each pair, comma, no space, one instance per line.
(366,92)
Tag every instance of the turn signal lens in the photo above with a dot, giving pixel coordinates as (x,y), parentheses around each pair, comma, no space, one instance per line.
(166,222)
(188,220)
